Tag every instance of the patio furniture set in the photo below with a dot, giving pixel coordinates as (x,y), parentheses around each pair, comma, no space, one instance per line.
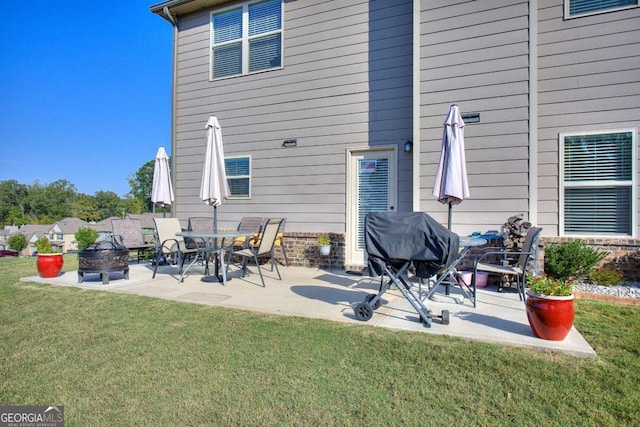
(404,247)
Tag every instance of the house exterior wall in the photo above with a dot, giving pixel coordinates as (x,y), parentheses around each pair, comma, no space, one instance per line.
(476,55)
(589,79)
(346,83)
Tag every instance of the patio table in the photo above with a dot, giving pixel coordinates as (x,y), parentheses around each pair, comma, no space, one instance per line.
(449,276)
(209,250)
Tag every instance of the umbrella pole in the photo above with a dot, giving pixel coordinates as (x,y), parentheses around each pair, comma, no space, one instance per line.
(215,241)
(449,221)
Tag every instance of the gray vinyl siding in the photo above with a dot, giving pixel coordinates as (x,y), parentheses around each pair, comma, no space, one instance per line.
(345,83)
(589,79)
(475,54)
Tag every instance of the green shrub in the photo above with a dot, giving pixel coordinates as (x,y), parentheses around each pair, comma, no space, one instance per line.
(605,276)
(571,259)
(43,245)
(85,236)
(18,242)
(324,240)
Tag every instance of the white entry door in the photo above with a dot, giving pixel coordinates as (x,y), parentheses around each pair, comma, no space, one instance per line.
(372,187)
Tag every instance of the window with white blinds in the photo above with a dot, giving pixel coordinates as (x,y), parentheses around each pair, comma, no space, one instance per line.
(246,39)
(574,8)
(238,170)
(597,186)
(373,191)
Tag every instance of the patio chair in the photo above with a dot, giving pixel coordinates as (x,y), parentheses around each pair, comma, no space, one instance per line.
(265,247)
(169,244)
(280,241)
(128,232)
(248,224)
(519,269)
(200,224)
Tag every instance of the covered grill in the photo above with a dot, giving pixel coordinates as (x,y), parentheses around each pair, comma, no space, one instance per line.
(396,242)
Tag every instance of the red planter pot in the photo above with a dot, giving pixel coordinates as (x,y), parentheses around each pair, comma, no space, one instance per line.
(49,265)
(550,317)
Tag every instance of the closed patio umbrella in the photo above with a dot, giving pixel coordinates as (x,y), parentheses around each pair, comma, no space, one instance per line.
(161,190)
(214,187)
(451,186)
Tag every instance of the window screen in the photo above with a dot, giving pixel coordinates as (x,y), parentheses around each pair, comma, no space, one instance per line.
(598,183)
(581,7)
(246,39)
(373,191)
(238,171)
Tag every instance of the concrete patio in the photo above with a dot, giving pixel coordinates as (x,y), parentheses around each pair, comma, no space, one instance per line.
(499,318)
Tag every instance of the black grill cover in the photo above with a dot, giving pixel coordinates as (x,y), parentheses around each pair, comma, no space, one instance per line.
(396,238)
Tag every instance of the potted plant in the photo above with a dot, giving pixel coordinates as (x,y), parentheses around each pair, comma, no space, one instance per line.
(324,244)
(550,306)
(49,261)
(85,237)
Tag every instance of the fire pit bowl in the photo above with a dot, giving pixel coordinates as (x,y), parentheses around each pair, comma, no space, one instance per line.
(103,258)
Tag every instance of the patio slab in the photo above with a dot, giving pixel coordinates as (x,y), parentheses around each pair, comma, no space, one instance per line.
(499,318)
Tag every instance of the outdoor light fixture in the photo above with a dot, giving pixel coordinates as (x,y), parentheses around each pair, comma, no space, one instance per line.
(408,146)
(289,143)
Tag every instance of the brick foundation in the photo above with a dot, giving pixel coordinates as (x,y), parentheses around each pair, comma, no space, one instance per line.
(302,250)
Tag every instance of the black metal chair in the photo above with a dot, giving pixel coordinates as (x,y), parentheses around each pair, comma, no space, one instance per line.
(519,269)
(170,244)
(265,247)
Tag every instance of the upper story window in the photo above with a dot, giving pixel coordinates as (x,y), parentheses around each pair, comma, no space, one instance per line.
(246,39)
(238,171)
(597,185)
(574,8)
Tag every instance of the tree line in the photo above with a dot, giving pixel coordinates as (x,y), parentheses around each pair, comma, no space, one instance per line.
(38,203)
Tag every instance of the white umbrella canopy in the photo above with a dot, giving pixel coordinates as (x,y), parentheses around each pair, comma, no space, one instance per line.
(451,186)
(214,187)
(161,190)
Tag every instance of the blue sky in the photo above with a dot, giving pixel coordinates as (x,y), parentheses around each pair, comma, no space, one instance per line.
(85,91)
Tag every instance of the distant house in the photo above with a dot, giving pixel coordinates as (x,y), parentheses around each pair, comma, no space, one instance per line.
(33,232)
(333,109)
(62,233)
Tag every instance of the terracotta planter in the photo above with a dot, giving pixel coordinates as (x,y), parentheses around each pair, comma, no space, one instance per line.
(550,317)
(49,265)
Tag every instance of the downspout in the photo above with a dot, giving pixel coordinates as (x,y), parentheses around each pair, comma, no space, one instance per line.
(415,170)
(174,86)
(533,111)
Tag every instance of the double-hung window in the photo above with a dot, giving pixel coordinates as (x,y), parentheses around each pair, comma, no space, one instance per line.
(597,183)
(238,171)
(574,8)
(246,39)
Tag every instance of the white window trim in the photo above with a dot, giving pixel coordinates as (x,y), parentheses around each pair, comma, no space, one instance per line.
(567,15)
(634,182)
(241,177)
(245,40)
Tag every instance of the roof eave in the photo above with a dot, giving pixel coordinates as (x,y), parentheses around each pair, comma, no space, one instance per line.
(182,7)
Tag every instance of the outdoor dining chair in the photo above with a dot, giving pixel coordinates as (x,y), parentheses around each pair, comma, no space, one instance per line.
(170,244)
(519,269)
(280,241)
(199,224)
(248,224)
(264,248)
(128,232)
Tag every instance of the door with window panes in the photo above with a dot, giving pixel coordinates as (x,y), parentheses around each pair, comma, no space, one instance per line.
(372,180)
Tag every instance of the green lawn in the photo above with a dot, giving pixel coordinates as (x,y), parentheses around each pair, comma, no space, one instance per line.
(117,359)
